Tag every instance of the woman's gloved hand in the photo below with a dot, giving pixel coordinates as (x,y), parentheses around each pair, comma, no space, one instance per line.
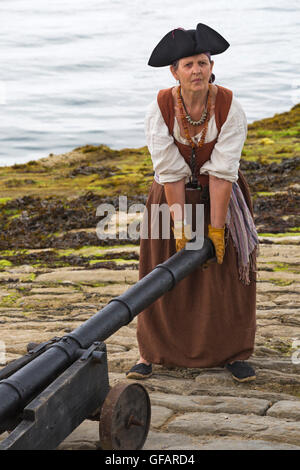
(218,238)
(182,234)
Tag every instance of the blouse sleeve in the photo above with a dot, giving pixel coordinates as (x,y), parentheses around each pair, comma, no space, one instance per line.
(224,161)
(168,163)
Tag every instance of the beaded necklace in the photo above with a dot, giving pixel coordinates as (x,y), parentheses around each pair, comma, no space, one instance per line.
(203,116)
(193,179)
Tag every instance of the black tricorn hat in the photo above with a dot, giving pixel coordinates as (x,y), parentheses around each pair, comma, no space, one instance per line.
(181,43)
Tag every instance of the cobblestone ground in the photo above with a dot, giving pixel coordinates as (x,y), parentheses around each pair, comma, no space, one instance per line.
(191,408)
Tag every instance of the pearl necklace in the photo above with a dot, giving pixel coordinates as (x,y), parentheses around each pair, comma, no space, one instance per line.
(203,116)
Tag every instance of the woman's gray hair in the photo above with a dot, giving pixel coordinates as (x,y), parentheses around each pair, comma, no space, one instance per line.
(175,65)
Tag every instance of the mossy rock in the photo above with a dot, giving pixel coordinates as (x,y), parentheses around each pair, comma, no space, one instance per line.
(279,121)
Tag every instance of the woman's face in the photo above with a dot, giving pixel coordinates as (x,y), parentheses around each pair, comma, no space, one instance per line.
(193,72)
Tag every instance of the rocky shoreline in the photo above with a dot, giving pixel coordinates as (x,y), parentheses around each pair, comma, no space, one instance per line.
(55,273)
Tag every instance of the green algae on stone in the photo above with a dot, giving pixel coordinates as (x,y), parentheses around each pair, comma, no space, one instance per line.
(289,269)
(264,193)
(4,263)
(9,300)
(281,282)
(282,129)
(4,200)
(280,235)
(115,260)
(101,284)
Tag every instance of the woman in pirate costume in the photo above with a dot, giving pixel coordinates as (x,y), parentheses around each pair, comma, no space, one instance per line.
(195,134)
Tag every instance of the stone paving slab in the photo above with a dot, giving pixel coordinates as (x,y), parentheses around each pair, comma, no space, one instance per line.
(48,300)
(128,341)
(235,405)
(262,351)
(283,315)
(262,376)
(159,415)
(267,250)
(53,290)
(93,276)
(177,441)
(290,299)
(160,384)
(278,275)
(170,441)
(285,409)
(84,437)
(7,276)
(121,361)
(112,290)
(282,364)
(214,378)
(278,330)
(269,288)
(249,426)
(236,444)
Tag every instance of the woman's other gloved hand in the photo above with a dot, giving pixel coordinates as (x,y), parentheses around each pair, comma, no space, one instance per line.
(182,234)
(218,238)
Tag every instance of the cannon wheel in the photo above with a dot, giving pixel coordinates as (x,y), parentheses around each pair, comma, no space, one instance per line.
(125,417)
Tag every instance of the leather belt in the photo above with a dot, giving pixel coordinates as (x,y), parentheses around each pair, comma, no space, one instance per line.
(204,190)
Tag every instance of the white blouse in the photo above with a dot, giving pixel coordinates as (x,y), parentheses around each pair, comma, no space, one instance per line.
(168,163)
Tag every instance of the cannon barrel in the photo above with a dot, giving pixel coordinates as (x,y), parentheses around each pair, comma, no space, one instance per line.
(21,387)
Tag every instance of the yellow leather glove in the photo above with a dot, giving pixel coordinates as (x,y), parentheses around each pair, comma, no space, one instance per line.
(218,238)
(182,234)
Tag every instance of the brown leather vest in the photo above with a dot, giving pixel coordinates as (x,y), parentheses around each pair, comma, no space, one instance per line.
(222,106)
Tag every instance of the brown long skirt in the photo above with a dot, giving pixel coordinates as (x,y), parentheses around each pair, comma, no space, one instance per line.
(209,318)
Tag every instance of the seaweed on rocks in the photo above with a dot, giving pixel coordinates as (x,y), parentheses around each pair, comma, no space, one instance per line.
(277,213)
(271,177)
(103,171)
(52,222)
(79,239)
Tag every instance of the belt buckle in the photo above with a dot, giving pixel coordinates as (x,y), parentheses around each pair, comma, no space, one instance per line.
(205,194)
(193,183)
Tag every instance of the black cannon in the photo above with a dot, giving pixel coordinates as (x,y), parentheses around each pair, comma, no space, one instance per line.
(47,393)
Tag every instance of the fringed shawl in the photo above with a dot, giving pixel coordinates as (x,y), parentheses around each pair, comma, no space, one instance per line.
(243,231)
